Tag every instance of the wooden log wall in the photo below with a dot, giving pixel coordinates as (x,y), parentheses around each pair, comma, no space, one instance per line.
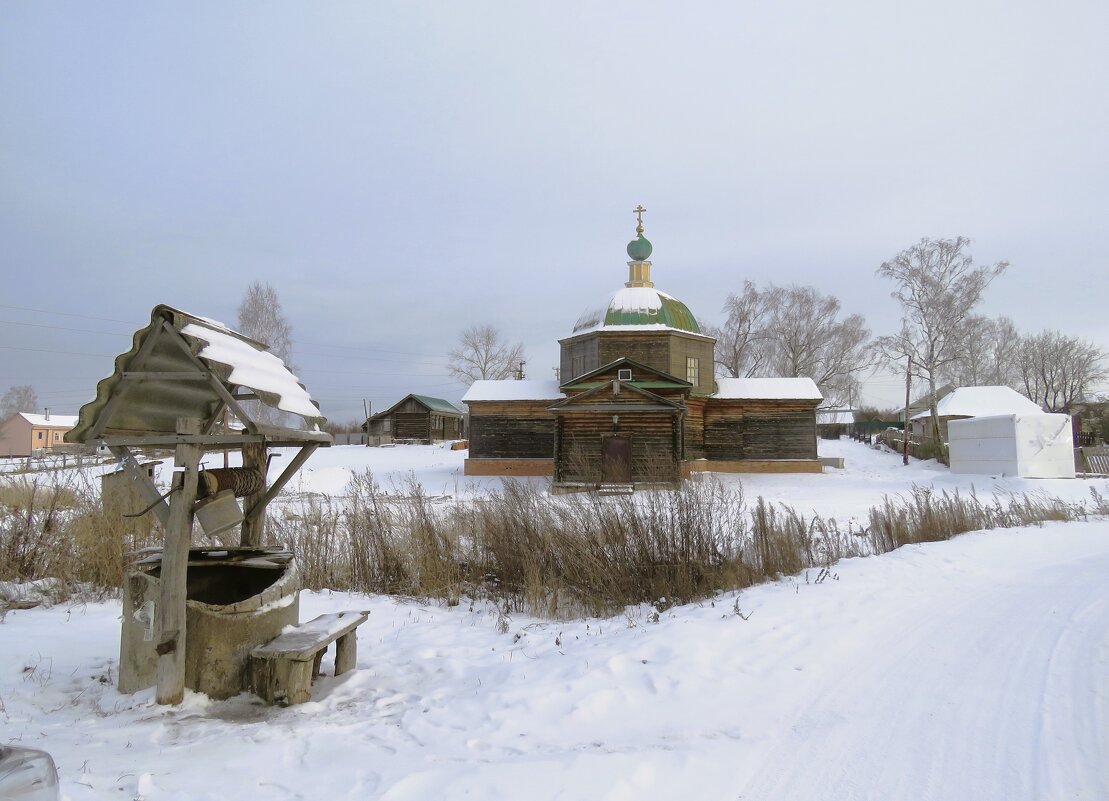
(654,445)
(652,350)
(586,349)
(412,425)
(693,429)
(764,429)
(511,430)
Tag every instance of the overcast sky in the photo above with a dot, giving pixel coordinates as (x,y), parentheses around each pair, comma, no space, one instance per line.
(400,171)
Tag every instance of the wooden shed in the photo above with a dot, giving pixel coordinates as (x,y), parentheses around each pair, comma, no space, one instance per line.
(416,418)
(762,425)
(511,427)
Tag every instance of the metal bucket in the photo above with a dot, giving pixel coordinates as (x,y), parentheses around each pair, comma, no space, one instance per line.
(218,512)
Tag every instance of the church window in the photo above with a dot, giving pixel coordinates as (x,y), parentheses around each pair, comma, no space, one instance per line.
(577,367)
(693,370)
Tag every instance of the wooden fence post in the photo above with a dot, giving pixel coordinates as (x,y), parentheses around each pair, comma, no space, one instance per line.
(170,614)
(253,530)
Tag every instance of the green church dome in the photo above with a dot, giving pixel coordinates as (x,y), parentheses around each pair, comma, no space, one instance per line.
(640,307)
(639,304)
(639,249)
(648,306)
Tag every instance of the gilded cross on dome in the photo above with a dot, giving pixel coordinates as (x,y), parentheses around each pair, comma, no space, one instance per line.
(639,218)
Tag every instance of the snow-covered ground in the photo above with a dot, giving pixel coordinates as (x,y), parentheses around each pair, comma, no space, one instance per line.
(971,669)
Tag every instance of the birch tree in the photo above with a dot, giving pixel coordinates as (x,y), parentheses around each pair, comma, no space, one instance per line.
(989,355)
(22,398)
(793,331)
(742,343)
(261,318)
(810,339)
(938,286)
(1057,371)
(481,353)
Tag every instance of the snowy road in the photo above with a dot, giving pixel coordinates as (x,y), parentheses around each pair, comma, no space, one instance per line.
(997,689)
(973,669)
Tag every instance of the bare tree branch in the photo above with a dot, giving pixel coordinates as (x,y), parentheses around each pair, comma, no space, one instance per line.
(793,331)
(938,287)
(261,318)
(481,354)
(18,399)
(1057,371)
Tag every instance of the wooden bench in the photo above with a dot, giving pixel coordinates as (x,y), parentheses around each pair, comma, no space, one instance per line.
(282,670)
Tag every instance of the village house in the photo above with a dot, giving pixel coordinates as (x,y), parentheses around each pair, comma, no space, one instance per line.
(965,402)
(638,403)
(415,418)
(24,433)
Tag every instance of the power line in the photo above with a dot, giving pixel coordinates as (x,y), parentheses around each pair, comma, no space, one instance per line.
(63,352)
(139,326)
(66,314)
(60,328)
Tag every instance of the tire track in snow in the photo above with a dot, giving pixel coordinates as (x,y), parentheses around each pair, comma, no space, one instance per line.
(999,694)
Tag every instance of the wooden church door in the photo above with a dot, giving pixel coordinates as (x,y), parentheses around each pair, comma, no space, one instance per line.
(616,460)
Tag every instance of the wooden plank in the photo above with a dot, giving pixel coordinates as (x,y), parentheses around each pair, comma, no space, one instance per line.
(213,381)
(142,483)
(281,681)
(252,531)
(259,507)
(141,375)
(302,643)
(170,614)
(346,653)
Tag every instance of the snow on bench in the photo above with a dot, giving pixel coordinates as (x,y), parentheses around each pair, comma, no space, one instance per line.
(282,670)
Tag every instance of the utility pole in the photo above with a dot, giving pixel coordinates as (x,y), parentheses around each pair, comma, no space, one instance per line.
(905,430)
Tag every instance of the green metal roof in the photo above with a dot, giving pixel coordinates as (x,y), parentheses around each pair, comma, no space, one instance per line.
(640,306)
(671,313)
(438,404)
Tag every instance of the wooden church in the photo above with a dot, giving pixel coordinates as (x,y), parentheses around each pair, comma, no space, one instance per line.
(638,403)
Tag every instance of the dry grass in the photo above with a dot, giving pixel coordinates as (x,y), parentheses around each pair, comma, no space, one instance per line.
(562,556)
(556,556)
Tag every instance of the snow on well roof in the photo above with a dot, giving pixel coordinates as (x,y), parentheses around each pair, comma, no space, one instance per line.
(55,420)
(175,344)
(250,367)
(982,402)
(508,389)
(767,389)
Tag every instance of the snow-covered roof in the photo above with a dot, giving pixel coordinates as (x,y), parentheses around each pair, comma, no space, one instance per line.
(767,389)
(982,402)
(53,421)
(250,367)
(639,308)
(835,417)
(529,389)
(185,366)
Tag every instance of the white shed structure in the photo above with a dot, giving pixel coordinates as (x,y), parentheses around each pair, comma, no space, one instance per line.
(1027,445)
